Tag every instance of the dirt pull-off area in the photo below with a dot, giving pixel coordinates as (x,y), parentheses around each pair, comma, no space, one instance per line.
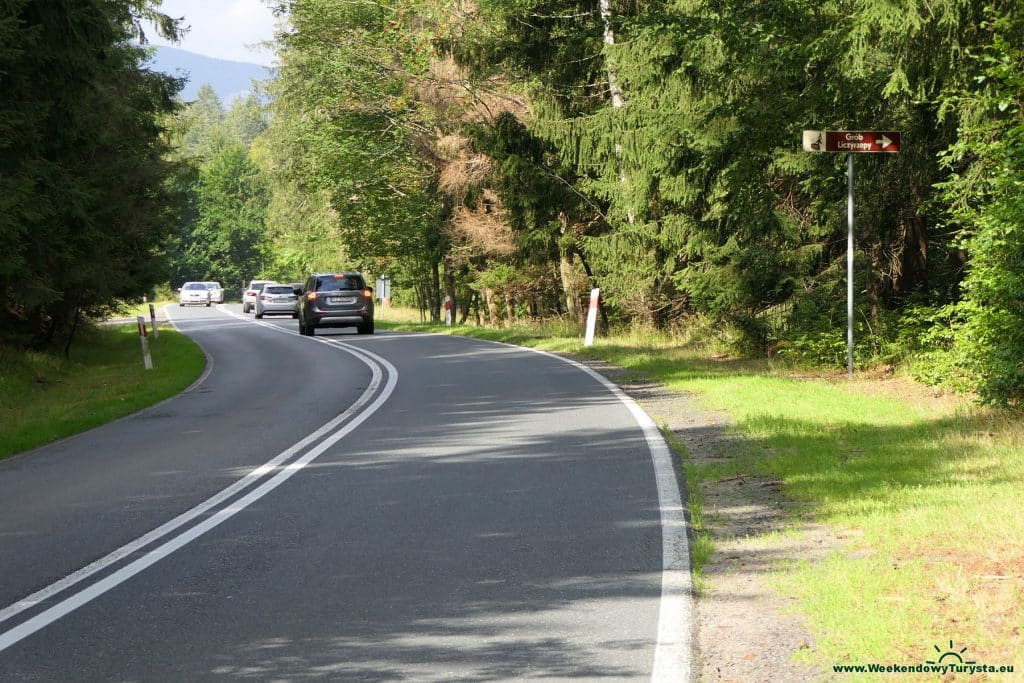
(744,631)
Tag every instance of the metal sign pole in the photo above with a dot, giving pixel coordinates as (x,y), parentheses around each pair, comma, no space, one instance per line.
(849,269)
(851,142)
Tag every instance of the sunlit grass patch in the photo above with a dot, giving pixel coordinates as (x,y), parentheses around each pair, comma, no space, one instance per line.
(44,397)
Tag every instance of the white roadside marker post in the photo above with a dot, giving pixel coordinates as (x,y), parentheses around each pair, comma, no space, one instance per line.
(147,360)
(588,339)
(152,317)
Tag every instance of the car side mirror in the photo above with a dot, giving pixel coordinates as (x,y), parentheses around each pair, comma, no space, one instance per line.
(298,291)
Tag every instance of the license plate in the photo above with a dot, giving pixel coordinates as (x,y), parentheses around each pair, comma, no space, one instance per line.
(341,299)
(281,300)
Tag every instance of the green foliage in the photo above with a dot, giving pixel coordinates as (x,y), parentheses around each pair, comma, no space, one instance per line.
(231,199)
(84,203)
(343,137)
(688,194)
(221,233)
(984,193)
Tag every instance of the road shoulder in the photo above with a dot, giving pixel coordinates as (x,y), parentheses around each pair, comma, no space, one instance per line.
(745,630)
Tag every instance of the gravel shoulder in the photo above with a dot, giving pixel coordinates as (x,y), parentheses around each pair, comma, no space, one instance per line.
(745,631)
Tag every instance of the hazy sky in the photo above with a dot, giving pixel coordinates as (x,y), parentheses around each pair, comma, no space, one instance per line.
(225,29)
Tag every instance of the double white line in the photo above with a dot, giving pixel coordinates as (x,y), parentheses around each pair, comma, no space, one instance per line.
(282,466)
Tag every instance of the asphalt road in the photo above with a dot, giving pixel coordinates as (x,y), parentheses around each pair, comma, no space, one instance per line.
(385,507)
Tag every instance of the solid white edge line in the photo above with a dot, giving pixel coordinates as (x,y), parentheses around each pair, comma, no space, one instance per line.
(65,606)
(674,648)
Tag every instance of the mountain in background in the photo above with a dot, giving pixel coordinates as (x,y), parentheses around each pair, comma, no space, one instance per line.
(229,79)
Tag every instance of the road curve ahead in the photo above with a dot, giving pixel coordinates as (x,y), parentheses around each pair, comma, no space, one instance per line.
(346,507)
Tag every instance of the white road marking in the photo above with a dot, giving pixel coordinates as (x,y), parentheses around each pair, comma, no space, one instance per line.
(357,414)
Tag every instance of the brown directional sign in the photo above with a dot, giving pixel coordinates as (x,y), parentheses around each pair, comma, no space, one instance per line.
(852,141)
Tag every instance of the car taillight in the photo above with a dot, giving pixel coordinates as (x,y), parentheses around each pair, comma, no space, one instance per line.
(311,296)
(251,293)
(367,293)
(262,298)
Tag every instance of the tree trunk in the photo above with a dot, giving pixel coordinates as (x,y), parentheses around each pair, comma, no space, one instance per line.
(614,90)
(435,293)
(493,316)
(572,292)
(510,313)
(449,285)
(593,280)
(567,273)
(71,335)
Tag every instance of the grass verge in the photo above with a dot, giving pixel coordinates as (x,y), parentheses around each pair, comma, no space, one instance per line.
(44,397)
(143,309)
(924,495)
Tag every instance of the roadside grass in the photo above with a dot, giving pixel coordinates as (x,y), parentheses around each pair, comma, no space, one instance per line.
(702,546)
(133,310)
(44,397)
(924,495)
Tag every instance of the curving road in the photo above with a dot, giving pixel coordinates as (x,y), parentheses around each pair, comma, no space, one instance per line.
(344,507)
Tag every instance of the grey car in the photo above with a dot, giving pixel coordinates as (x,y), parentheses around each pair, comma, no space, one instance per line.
(335,300)
(277,300)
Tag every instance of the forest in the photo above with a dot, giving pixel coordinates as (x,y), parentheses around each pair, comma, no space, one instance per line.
(512,154)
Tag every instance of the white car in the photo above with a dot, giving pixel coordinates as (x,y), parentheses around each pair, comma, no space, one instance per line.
(194,293)
(251,294)
(216,292)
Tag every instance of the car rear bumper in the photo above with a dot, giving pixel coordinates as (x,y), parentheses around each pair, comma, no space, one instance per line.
(283,309)
(340,318)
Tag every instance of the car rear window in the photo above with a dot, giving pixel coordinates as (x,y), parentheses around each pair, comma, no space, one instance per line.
(278,289)
(195,285)
(334,284)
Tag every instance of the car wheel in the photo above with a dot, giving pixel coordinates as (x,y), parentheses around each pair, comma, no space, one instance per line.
(365,328)
(207,304)
(259,316)
(182,305)
(295,316)
(245,308)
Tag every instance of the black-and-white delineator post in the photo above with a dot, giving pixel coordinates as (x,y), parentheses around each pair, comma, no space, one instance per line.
(851,142)
(147,360)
